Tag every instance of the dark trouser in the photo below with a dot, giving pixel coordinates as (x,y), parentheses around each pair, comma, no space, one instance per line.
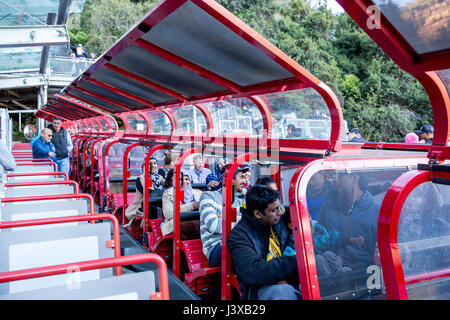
(279,292)
(215,257)
(190,230)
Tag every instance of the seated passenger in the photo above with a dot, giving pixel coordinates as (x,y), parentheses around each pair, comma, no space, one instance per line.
(256,244)
(269,182)
(157,179)
(188,229)
(137,208)
(314,194)
(211,218)
(327,262)
(219,167)
(293,132)
(351,209)
(169,163)
(246,180)
(213,182)
(199,173)
(247,177)
(355,136)
(43,147)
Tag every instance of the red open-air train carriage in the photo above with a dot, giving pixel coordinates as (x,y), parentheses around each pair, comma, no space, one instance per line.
(190,76)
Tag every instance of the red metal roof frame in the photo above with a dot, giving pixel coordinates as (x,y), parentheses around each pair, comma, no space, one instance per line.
(388,38)
(300,77)
(421,66)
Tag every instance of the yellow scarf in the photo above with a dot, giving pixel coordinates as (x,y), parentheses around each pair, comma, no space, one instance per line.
(274,246)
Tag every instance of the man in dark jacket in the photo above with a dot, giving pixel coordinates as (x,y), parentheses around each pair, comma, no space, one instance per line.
(63,145)
(355,136)
(351,210)
(256,244)
(426,133)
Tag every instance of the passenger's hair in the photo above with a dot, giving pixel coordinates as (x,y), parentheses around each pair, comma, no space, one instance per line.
(197,156)
(168,182)
(356,131)
(286,216)
(363,181)
(168,158)
(265,181)
(259,197)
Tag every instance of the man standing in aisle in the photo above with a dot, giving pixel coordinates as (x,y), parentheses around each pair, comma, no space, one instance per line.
(63,145)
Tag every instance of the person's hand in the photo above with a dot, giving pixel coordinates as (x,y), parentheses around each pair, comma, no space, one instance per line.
(195,206)
(213,184)
(244,191)
(357,241)
(339,260)
(51,154)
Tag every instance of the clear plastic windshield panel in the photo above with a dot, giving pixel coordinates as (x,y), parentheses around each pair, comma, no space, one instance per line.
(299,114)
(445,77)
(95,126)
(343,206)
(190,120)
(115,160)
(137,123)
(236,116)
(88,153)
(82,126)
(160,123)
(112,124)
(424,239)
(136,160)
(104,124)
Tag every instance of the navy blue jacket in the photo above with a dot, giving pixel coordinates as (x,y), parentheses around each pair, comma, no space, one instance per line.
(361,219)
(248,243)
(41,149)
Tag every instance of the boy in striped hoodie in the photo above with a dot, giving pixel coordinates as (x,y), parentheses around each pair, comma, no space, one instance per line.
(211,218)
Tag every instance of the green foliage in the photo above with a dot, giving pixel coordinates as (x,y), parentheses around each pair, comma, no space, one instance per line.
(103,22)
(376,95)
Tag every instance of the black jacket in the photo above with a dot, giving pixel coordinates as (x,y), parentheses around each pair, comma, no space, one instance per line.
(59,139)
(248,243)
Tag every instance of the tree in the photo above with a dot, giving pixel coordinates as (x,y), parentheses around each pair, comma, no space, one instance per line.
(103,22)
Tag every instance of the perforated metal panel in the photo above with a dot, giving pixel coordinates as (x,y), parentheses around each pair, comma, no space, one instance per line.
(45,209)
(39,248)
(163,72)
(129,85)
(135,286)
(109,94)
(40,190)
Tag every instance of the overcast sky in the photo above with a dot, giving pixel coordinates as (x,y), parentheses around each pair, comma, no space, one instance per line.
(332,5)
